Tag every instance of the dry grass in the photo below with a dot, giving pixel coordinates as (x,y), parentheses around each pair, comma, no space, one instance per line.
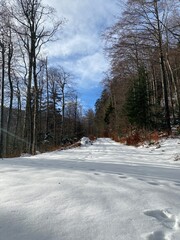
(137,138)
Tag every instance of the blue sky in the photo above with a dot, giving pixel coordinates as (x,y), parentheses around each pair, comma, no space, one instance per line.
(80,47)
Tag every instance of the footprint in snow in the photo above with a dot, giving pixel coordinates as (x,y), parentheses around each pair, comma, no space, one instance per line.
(96,174)
(168,220)
(123,177)
(154,183)
(158,235)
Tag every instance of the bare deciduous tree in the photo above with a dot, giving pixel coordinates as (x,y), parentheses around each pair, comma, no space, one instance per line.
(34,30)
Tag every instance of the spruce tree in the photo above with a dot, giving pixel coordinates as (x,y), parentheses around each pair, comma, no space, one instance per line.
(137,104)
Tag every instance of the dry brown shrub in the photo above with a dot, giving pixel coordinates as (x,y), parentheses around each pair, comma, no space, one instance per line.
(154,137)
(92,137)
(123,140)
(13,154)
(133,139)
(74,145)
(115,137)
(139,137)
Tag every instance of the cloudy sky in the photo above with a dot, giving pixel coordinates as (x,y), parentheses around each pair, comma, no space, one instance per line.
(80,48)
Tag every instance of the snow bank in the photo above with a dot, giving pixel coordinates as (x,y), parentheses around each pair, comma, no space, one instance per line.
(85,141)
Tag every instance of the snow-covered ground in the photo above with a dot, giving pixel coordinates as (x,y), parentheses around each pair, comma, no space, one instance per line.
(104,191)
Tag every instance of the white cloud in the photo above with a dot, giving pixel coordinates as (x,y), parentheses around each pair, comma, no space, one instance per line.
(88,70)
(80,48)
(86,20)
(91,66)
(78,44)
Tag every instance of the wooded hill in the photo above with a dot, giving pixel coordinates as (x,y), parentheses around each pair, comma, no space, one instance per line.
(38,101)
(142,89)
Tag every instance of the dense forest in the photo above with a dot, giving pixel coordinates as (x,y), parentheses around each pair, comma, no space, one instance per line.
(142,88)
(39,104)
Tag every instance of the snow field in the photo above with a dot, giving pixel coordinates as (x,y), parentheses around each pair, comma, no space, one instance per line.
(105,191)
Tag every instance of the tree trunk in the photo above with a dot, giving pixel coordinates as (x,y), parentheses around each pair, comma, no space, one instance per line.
(162,64)
(35,112)
(9,121)
(2,101)
(27,126)
(177,94)
(47,95)
(63,112)
(18,136)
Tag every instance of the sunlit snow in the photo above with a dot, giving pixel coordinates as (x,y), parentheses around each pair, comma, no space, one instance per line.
(104,191)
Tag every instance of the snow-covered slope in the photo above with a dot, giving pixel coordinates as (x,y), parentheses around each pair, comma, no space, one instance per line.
(104,191)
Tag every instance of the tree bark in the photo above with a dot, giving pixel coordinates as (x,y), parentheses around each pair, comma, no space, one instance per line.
(2,101)
(9,120)
(162,64)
